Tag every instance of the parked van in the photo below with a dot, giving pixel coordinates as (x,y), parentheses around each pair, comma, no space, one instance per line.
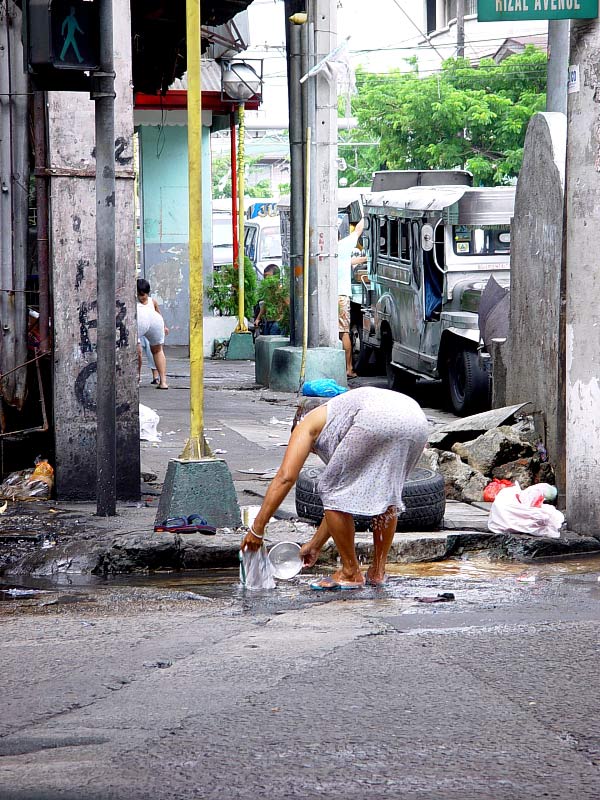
(262,242)
(432,240)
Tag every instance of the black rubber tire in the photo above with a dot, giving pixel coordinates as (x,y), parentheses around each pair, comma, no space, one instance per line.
(361,354)
(423,496)
(468,383)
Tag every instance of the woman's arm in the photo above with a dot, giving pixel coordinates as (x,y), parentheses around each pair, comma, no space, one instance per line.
(301,443)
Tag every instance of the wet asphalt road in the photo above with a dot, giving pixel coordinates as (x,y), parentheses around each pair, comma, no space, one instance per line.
(194,689)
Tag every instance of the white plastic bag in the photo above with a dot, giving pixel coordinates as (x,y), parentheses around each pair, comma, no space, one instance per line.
(149,419)
(256,571)
(513,510)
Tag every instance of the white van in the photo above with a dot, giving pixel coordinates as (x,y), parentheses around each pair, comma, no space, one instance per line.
(262,242)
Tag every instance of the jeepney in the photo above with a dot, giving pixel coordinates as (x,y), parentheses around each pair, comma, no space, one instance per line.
(432,240)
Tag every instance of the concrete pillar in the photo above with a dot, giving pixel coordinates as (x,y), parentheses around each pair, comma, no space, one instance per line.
(325,173)
(533,352)
(583,283)
(73,247)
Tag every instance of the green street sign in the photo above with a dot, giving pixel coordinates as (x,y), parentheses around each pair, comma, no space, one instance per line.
(501,10)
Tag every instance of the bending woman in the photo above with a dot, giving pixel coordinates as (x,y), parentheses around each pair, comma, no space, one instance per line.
(370,439)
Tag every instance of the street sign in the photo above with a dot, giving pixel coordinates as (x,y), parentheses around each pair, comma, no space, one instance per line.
(501,10)
(61,36)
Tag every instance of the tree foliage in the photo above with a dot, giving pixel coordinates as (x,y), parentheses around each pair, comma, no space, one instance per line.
(465,116)
(223,294)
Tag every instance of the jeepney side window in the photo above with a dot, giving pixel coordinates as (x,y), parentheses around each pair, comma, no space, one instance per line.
(393,242)
(383,237)
(405,241)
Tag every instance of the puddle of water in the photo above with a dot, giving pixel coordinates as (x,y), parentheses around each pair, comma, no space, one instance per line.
(479,567)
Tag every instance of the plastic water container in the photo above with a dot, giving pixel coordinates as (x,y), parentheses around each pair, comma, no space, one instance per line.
(285,560)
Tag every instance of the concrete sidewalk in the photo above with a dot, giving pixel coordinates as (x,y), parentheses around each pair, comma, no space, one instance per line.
(248,427)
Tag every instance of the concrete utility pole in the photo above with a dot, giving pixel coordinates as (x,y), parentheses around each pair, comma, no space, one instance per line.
(460,28)
(106,418)
(583,283)
(324,17)
(558,65)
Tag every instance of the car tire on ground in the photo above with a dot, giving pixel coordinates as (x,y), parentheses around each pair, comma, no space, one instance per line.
(468,383)
(423,496)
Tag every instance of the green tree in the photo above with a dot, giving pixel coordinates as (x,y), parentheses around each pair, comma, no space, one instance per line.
(465,116)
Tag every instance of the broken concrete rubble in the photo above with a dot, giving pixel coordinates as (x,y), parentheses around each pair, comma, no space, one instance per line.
(493,448)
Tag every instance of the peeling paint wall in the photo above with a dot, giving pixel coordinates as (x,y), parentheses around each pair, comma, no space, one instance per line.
(583,283)
(73,245)
(165,222)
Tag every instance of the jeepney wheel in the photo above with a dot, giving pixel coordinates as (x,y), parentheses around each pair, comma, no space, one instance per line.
(397,379)
(361,354)
(468,383)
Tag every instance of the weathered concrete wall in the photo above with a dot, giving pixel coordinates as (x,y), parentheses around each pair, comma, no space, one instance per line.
(165,222)
(73,243)
(583,283)
(532,355)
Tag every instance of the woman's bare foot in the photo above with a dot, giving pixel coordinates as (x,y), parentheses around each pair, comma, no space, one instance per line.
(374,579)
(340,576)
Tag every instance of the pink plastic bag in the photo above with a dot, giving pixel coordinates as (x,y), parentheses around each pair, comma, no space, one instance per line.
(524,511)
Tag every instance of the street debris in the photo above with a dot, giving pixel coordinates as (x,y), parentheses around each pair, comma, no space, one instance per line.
(443,597)
(475,469)
(158,664)
(29,484)
(4,507)
(149,420)
(524,511)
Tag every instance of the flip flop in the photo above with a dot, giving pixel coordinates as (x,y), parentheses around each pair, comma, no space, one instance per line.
(192,524)
(329,584)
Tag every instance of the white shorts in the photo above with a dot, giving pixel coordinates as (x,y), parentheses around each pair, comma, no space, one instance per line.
(150,324)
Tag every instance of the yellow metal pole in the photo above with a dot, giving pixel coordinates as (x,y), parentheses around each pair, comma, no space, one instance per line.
(241,326)
(194,447)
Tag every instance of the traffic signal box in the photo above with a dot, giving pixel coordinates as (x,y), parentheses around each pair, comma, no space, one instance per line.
(61,43)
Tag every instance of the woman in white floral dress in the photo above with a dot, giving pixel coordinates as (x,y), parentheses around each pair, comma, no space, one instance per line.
(370,439)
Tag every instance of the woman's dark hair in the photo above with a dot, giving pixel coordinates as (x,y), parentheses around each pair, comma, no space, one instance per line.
(143,287)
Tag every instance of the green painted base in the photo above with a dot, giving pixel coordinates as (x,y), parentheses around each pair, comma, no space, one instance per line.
(241,347)
(264,347)
(202,487)
(321,362)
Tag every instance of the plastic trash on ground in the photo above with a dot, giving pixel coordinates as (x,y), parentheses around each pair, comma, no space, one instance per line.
(322,387)
(517,510)
(256,571)
(149,420)
(491,490)
(28,484)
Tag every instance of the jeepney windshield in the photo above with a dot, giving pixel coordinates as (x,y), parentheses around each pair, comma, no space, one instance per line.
(481,240)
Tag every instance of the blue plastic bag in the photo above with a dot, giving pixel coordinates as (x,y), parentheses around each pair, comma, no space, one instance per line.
(323,387)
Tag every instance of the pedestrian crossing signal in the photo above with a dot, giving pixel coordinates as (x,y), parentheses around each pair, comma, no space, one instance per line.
(61,35)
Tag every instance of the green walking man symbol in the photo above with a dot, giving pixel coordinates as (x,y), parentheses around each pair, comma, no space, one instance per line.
(72,26)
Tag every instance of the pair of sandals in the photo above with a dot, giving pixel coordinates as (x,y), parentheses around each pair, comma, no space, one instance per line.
(192,524)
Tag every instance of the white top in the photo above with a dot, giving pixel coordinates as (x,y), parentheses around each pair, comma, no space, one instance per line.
(345,248)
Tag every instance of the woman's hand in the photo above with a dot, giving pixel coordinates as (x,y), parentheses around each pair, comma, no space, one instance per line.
(309,554)
(251,542)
